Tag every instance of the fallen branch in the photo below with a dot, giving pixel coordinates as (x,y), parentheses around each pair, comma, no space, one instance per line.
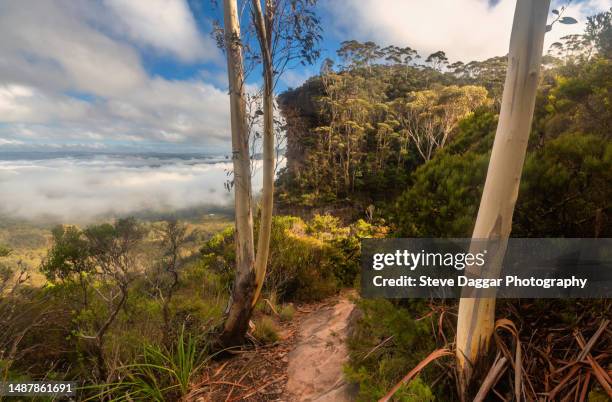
(563,382)
(585,387)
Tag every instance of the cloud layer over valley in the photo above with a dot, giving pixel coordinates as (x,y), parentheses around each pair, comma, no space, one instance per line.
(84,188)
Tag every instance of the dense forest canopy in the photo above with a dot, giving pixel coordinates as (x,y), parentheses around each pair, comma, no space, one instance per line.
(390,123)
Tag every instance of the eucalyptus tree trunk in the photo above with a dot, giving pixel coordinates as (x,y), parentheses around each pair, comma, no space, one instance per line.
(240,307)
(264,35)
(476,317)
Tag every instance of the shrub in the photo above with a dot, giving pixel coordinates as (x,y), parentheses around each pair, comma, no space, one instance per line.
(266,330)
(325,227)
(300,265)
(287,312)
(443,200)
(405,342)
(576,171)
(161,374)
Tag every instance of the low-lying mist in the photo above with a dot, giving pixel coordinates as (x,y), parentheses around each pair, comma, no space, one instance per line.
(86,188)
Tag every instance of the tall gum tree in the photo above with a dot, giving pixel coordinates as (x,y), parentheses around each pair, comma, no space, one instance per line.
(287,31)
(476,318)
(240,305)
(263,26)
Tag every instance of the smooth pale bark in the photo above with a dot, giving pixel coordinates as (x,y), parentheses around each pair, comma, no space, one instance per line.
(240,308)
(264,35)
(476,317)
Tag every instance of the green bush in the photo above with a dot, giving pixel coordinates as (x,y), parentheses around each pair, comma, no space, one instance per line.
(160,375)
(302,265)
(407,341)
(286,312)
(564,189)
(308,260)
(444,199)
(266,330)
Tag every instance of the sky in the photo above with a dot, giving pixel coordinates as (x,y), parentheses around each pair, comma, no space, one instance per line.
(136,76)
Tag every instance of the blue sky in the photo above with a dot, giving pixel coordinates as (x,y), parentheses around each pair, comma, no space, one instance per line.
(140,75)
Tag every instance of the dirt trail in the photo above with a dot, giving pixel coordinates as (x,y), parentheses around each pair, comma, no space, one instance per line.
(315,364)
(305,365)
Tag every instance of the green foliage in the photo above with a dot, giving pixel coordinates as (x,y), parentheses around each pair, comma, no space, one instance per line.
(415,391)
(286,312)
(266,330)
(68,256)
(4,251)
(298,262)
(160,376)
(5,271)
(324,227)
(219,243)
(444,198)
(219,256)
(355,135)
(580,99)
(565,190)
(599,32)
(200,298)
(475,133)
(88,270)
(309,261)
(387,343)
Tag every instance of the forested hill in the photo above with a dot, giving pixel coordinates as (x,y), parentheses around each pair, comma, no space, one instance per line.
(412,138)
(353,131)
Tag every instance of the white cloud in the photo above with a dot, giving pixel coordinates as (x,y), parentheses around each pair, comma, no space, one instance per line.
(65,75)
(23,104)
(580,11)
(48,44)
(166,25)
(4,142)
(161,110)
(293,78)
(89,188)
(465,29)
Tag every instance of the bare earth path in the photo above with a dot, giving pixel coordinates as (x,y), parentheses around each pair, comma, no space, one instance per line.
(315,364)
(306,364)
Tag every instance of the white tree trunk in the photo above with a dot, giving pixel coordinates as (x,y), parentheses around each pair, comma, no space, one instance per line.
(476,315)
(240,309)
(267,200)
